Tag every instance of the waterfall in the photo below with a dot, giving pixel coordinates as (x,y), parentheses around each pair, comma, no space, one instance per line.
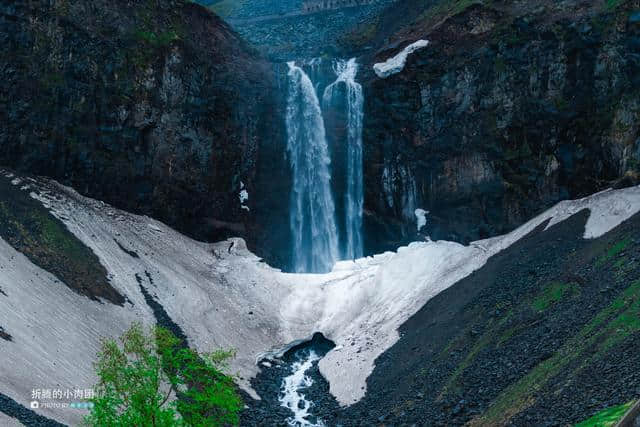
(354,100)
(312,222)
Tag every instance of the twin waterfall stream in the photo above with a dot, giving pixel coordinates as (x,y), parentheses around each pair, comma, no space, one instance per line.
(320,236)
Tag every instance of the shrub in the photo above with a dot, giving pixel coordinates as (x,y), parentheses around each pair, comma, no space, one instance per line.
(153,379)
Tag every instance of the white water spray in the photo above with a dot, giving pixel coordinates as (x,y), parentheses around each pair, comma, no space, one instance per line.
(312,222)
(346,72)
(291,396)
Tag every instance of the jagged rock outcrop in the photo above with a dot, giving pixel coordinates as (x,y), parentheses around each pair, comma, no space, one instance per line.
(508,110)
(155,106)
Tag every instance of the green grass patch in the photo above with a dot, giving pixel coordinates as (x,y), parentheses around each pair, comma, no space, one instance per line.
(612,4)
(607,417)
(613,251)
(608,328)
(552,293)
(157,40)
(362,34)
(482,343)
(29,228)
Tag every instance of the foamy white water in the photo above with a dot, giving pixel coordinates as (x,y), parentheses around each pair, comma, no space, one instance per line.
(292,387)
(312,214)
(346,72)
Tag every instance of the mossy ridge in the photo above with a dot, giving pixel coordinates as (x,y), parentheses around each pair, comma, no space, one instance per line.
(607,417)
(607,329)
(483,342)
(29,228)
(613,251)
(553,293)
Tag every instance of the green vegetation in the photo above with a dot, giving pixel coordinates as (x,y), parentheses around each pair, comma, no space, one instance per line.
(152,36)
(612,4)
(552,293)
(607,417)
(157,40)
(362,34)
(608,328)
(152,379)
(499,65)
(482,343)
(29,228)
(613,251)
(444,9)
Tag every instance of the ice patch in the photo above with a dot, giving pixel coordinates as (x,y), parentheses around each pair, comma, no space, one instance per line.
(395,64)
(154,228)
(208,288)
(421,218)
(243,196)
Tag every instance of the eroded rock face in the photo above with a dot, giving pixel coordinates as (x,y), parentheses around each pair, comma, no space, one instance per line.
(506,111)
(157,107)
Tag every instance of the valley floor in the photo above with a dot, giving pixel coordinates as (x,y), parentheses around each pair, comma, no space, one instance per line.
(536,326)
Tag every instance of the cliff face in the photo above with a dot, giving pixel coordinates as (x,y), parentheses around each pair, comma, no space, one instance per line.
(506,111)
(155,106)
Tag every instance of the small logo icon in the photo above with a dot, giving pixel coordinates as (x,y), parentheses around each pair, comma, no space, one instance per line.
(35,404)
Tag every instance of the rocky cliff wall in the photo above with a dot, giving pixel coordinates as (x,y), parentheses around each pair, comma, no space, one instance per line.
(508,110)
(157,107)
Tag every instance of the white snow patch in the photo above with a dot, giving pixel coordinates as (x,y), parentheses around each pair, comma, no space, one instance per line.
(155,228)
(609,208)
(421,218)
(395,64)
(243,196)
(208,288)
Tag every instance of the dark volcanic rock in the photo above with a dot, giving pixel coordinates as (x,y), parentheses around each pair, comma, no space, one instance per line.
(546,333)
(156,107)
(507,111)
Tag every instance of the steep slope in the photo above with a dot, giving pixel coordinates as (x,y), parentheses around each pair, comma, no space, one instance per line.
(511,107)
(221,295)
(546,333)
(155,106)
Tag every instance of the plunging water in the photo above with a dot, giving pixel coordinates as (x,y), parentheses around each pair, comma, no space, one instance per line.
(312,222)
(346,76)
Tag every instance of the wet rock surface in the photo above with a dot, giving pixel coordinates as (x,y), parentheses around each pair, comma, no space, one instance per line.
(268,384)
(156,107)
(507,111)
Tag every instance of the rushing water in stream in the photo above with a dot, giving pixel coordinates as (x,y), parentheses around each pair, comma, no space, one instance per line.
(292,396)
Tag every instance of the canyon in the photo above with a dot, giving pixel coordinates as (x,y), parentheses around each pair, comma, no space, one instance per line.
(444,192)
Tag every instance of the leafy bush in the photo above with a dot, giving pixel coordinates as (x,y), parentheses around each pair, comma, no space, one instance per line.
(153,379)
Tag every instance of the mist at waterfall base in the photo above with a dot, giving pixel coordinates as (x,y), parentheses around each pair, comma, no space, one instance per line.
(325,209)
